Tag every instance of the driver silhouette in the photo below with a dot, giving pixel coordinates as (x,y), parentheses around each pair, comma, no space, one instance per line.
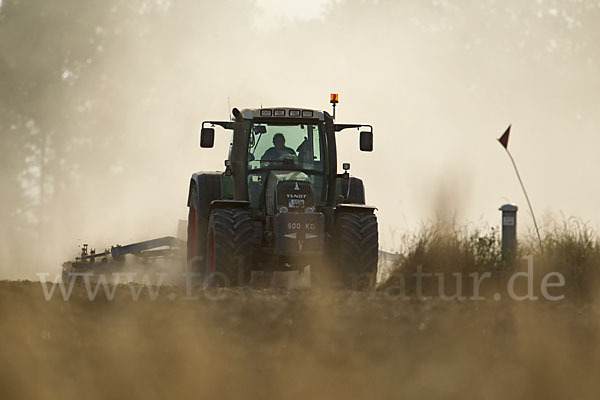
(279,149)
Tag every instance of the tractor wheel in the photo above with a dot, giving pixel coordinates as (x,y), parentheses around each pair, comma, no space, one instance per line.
(357,248)
(196,240)
(229,247)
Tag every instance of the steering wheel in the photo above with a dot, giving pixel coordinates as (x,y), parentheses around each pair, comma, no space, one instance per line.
(286,159)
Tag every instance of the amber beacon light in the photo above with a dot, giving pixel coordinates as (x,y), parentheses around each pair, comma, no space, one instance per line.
(333,99)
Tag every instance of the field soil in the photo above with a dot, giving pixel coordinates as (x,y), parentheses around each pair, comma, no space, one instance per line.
(271,343)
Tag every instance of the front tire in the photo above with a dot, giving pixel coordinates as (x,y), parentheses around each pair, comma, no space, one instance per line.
(357,248)
(229,247)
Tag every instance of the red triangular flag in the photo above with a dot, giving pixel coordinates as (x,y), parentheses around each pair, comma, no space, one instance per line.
(504,138)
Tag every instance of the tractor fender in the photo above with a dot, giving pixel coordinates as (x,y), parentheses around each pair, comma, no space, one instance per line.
(228,204)
(354,208)
(206,186)
(351,188)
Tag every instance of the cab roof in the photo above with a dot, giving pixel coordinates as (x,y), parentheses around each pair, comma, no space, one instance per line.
(282,112)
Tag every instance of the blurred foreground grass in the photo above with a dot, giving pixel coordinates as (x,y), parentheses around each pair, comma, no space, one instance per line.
(321,343)
(293,344)
(570,248)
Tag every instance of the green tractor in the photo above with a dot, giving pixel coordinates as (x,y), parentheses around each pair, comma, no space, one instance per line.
(281,204)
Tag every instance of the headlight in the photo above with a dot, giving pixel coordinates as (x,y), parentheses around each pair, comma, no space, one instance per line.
(309,210)
(283,209)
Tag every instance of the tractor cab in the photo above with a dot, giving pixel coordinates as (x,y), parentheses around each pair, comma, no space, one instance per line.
(283,151)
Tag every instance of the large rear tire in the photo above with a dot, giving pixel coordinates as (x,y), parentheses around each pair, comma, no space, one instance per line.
(230,247)
(357,248)
(196,240)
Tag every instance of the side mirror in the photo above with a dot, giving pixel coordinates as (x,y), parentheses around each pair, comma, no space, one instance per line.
(207,137)
(366,141)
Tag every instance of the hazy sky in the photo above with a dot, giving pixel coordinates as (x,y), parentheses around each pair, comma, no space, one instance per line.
(438,80)
(273,14)
(440,86)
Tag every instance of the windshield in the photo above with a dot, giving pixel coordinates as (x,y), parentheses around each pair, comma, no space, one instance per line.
(275,149)
(295,147)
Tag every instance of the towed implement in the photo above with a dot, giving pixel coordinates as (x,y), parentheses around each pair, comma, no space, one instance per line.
(112,260)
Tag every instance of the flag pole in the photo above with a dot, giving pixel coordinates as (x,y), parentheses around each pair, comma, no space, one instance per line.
(504,142)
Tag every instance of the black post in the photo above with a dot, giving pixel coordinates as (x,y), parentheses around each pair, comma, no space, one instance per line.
(509,232)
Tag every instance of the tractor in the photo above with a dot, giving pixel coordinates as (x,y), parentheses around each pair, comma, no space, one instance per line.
(280,203)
